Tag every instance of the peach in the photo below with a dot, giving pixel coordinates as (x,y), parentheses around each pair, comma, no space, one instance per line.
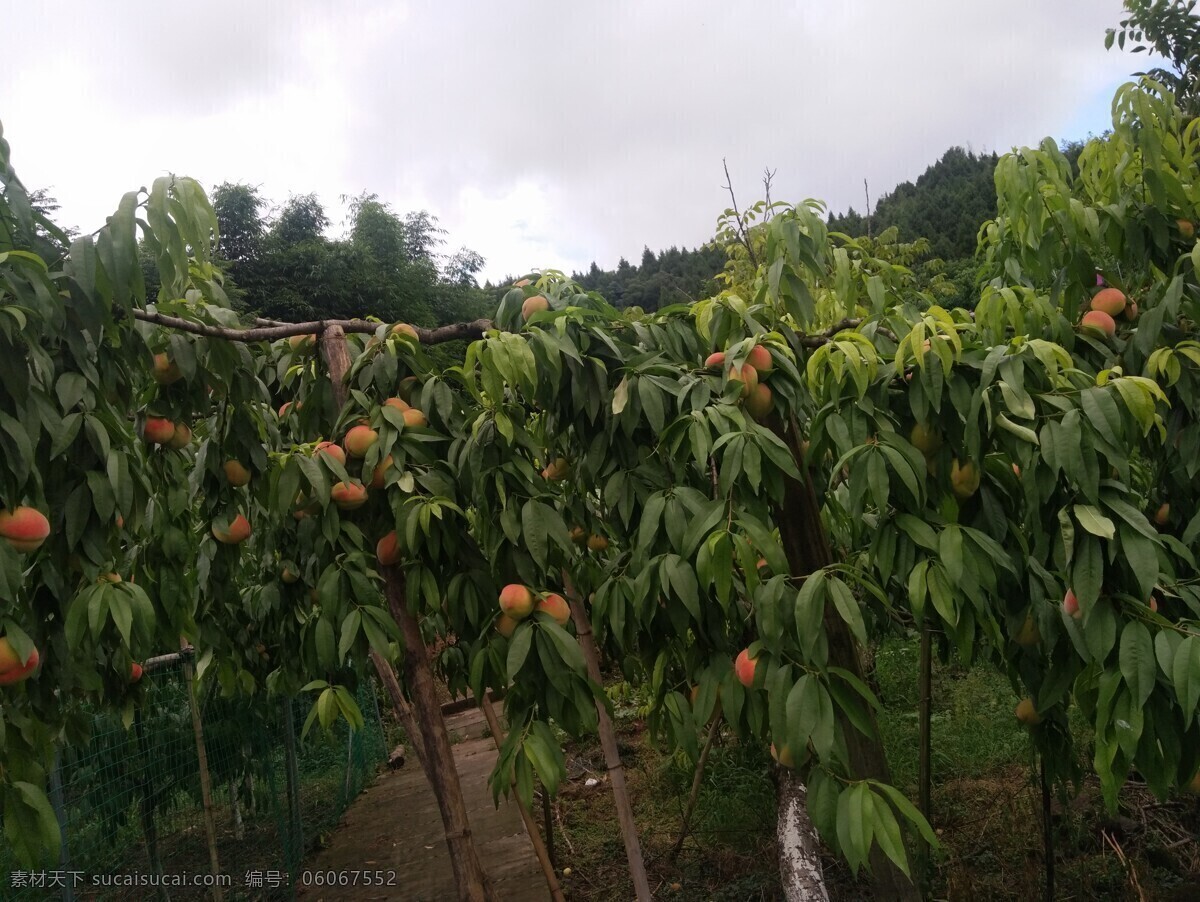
(26,528)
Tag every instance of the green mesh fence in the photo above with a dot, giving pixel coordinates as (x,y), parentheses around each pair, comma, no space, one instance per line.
(131,805)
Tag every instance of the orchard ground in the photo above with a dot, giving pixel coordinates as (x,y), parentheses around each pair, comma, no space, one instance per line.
(986,809)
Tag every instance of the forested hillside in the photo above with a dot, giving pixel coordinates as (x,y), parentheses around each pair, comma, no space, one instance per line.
(282,265)
(947,205)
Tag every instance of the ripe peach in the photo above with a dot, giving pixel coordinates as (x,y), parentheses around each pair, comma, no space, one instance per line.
(532,305)
(1109,300)
(1162,516)
(182,437)
(506,625)
(238,531)
(1099,324)
(744,667)
(348,495)
(1070,605)
(236,473)
(556,606)
(760,358)
(747,376)
(715,361)
(516,601)
(414,418)
(760,403)
(379,475)
(26,528)
(405,329)
(20,672)
(398,403)
(330,449)
(1027,713)
(135,672)
(597,543)
(387,550)
(166,371)
(158,430)
(556,469)
(359,440)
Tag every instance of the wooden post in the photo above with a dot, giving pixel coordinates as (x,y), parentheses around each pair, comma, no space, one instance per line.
(58,802)
(404,711)
(807,548)
(697,778)
(539,848)
(925,756)
(292,775)
(149,824)
(210,827)
(473,883)
(1047,832)
(608,742)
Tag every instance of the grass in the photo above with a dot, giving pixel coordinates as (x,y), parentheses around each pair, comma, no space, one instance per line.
(986,810)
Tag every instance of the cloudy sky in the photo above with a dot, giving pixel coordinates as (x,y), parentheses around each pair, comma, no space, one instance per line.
(541,134)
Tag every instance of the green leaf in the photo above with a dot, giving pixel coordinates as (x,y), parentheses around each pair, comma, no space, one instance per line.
(810,611)
(1095,522)
(887,834)
(847,607)
(568,647)
(1138,664)
(535,533)
(350,629)
(909,811)
(518,648)
(1186,676)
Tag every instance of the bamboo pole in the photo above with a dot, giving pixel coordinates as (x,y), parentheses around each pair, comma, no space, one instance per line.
(608,742)
(539,847)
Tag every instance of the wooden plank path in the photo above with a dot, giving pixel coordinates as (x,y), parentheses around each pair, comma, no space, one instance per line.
(395,825)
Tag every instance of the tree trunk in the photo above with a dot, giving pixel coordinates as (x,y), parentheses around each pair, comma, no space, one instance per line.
(608,742)
(807,548)
(473,883)
(427,730)
(337,363)
(800,871)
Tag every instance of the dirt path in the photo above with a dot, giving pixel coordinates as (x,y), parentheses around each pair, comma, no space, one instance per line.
(395,826)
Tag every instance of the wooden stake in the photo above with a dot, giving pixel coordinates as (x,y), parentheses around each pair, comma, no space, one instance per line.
(539,847)
(608,742)
(210,827)
(925,758)
(473,883)
(697,779)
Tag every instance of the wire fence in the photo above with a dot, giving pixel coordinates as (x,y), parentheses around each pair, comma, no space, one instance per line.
(197,790)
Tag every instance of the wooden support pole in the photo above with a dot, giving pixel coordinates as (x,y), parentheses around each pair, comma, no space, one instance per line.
(539,847)
(473,883)
(210,827)
(608,742)
(925,752)
(697,779)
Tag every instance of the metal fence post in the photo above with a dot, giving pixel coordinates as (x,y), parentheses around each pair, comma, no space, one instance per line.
(295,825)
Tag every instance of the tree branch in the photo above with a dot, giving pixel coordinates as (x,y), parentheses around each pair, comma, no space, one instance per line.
(740,226)
(270,330)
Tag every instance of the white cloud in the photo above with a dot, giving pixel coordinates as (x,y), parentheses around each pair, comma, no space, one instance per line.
(541,134)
